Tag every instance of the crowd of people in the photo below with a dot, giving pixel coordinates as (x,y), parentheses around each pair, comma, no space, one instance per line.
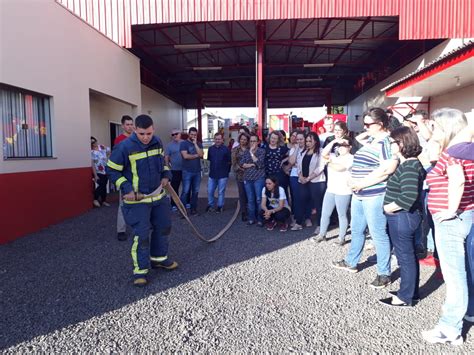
(409,186)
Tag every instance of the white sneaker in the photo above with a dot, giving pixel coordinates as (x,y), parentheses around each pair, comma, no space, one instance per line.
(308,223)
(96,203)
(106,204)
(436,336)
(297,227)
(318,238)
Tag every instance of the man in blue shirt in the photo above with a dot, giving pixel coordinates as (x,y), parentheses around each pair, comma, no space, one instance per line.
(192,153)
(174,160)
(219,158)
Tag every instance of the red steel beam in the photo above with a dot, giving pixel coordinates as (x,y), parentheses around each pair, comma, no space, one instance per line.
(199,112)
(260,72)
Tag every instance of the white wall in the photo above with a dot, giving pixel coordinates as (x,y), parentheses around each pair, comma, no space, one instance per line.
(462,99)
(376,98)
(166,114)
(44,48)
(104,110)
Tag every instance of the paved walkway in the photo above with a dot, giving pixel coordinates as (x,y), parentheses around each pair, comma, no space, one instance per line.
(68,289)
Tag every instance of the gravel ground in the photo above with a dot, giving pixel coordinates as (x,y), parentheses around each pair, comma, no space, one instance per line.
(68,289)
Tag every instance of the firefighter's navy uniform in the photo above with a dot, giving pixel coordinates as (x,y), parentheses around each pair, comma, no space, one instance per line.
(134,166)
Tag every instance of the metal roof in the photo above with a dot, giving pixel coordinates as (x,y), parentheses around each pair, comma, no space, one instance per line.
(466,47)
(181,59)
(419,19)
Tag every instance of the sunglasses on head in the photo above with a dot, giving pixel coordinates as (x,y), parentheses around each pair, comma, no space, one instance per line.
(344,145)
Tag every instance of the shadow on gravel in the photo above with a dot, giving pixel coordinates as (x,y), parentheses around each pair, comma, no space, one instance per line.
(432,284)
(78,270)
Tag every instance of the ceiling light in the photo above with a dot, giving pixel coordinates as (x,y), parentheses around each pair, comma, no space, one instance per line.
(318,65)
(333,41)
(207,68)
(192,46)
(221,82)
(308,80)
(458,80)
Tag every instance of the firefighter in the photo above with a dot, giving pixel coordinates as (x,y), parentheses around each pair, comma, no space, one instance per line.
(137,167)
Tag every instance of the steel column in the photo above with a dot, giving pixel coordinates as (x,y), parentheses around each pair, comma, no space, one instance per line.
(199,118)
(260,71)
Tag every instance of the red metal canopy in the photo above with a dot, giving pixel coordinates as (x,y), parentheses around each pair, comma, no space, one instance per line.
(419,19)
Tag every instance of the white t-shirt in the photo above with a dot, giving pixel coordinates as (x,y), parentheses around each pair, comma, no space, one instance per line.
(274,202)
(338,181)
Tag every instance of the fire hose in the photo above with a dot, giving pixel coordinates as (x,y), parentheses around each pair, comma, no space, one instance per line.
(182,209)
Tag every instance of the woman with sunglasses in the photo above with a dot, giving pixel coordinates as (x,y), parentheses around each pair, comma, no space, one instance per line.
(403,206)
(312,181)
(373,164)
(338,194)
(253,163)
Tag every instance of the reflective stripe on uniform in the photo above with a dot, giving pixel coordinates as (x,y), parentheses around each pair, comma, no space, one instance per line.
(166,168)
(120,181)
(133,165)
(114,166)
(148,199)
(158,259)
(143,155)
(135,178)
(136,268)
(153,152)
(137,156)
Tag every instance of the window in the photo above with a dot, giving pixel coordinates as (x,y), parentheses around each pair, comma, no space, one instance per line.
(26,124)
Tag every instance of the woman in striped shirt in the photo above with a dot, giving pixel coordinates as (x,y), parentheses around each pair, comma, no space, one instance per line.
(373,164)
(403,206)
(451,201)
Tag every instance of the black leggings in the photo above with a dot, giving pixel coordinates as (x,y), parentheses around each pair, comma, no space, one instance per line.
(101,189)
(279,217)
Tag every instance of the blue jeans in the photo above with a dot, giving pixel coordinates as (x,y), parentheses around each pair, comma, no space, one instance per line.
(402,227)
(451,236)
(341,202)
(253,189)
(212,184)
(470,269)
(425,230)
(191,182)
(298,207)
(294,193)
(369,212)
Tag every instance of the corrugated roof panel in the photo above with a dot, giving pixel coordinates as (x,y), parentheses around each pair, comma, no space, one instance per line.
(420,19)
(426,19)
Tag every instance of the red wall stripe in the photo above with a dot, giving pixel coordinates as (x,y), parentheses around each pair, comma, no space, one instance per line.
(38,199)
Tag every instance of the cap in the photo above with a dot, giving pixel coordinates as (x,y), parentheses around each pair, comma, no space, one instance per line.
(174,131)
